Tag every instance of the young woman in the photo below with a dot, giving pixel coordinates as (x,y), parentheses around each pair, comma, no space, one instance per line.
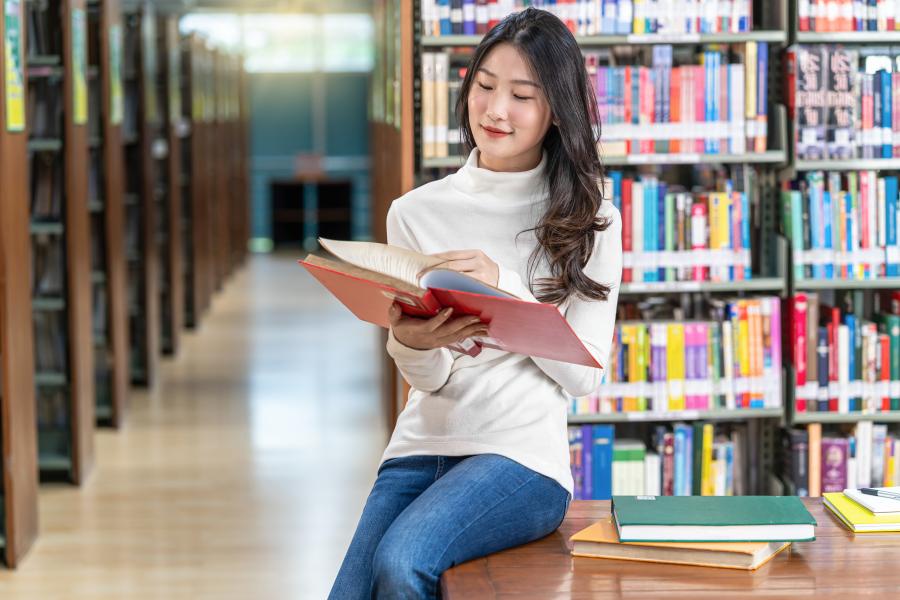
(479,459)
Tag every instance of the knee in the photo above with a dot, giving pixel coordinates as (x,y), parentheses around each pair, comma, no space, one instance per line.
(398,572)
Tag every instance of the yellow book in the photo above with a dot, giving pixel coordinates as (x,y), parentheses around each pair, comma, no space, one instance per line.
(743,342)
(629,339)
(601,541)
(857,518)
(638,24)
(643,359)
(707,476)
(675,365)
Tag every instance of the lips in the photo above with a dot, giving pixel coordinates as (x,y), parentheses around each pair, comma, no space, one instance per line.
(494,132)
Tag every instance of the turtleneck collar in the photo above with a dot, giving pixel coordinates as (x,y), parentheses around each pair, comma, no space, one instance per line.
(505,186)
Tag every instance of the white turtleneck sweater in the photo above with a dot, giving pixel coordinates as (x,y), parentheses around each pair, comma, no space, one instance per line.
(497,402)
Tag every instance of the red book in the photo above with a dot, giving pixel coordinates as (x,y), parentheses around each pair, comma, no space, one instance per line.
(514,325)
(795,345)
(668,464)
(626,225)
(675,107)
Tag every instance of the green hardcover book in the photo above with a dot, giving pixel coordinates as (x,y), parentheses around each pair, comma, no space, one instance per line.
(712,519)
(890,324)
(697,459)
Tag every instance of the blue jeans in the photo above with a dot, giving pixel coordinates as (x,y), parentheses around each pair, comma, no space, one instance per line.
(428,513)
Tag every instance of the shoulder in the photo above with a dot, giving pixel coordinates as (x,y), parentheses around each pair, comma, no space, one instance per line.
(424,198)
(613,232)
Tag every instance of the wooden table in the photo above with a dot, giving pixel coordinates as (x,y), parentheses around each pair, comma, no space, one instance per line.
(838,563)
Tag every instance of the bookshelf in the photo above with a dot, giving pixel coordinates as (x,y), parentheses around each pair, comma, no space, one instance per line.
(140,126)
(58,101)
(18,434)
(106,208)
(199,164)
(169,174)
(823,409)
(190,180)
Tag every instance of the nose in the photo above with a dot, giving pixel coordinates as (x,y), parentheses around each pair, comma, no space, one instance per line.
(496,108)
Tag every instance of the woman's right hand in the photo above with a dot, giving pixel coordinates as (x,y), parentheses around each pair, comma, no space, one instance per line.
(436,332)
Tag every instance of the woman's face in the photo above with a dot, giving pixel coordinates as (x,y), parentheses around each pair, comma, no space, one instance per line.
(508,112)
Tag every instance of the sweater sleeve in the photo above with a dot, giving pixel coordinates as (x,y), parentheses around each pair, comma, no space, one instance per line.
(425,370)
(593,321)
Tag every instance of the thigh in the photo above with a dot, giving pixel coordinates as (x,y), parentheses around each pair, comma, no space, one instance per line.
(484,504)
(399,482)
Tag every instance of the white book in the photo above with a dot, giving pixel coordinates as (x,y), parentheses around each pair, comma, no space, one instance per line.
(880,207)
(652,475)
(852,471)
(879,435)
(728,359)
(863,434)
(876,504)
(738,141)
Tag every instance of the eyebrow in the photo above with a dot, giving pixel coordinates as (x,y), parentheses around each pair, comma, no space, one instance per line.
(518,81)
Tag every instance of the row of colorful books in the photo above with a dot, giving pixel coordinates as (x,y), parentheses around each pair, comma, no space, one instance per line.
(845,101)
(714,107)
(669,234)
(868,455)
(682,460)
(593,17)
(848,15)
(730,362)
(843,362)
(843,225)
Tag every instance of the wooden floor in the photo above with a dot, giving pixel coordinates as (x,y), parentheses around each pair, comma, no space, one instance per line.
(242,475)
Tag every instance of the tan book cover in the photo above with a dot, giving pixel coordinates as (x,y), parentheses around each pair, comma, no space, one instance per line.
(601,541)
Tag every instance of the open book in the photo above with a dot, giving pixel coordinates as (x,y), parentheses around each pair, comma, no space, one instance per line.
(368,277)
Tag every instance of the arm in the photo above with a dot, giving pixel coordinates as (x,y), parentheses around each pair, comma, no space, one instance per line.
(426,370)
(593,321)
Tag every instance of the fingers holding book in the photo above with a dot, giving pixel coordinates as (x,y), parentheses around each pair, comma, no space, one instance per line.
(441,330)
(473,263)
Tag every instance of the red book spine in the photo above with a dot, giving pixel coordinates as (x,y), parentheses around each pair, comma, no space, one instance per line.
(699,105)
(895,303)
(699,213)
(797,344)
(646,107)
(626,100)
(626,225)
(675,108)
(833,355)
(864,208)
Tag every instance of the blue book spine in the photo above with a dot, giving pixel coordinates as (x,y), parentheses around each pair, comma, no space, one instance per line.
(887,145)
(872,16)
(616,177)
(469,17)
(661,226)
(848,227)
(815,228)
(828,217)
(729,469)
(678,476)
(707,96)
(688,451)
(890,202)
(601,461)
(587,458)
(745,231)
(850,322)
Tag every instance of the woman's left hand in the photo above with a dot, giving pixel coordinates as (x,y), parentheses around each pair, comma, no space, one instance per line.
(473,263)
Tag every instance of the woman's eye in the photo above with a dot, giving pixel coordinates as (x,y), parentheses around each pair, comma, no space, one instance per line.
(484,87)
(517,97)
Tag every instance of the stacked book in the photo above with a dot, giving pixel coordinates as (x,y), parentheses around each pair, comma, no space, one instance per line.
(861,511)
(730,362)
(843,225)
(844,102)
(842,361)
(441,82)
(593,17)
(696,459)
(670,234)
(848,15)
(717,106)
(737,533)
(868,455)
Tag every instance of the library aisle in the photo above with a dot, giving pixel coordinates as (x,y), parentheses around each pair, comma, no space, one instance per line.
(241,475)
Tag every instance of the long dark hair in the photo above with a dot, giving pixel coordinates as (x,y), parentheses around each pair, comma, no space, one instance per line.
(565,231)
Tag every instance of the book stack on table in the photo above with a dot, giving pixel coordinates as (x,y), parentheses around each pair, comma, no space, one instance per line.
(736,532)
(863,512)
